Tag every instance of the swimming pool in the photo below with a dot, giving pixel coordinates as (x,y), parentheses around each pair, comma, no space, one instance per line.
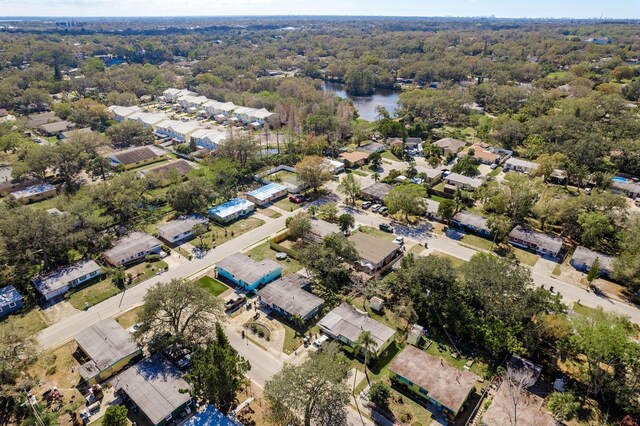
(620,179)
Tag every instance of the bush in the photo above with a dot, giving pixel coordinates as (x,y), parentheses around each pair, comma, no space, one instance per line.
(116,415)
(152,258)
(379,394)
(563,405)
(166,248)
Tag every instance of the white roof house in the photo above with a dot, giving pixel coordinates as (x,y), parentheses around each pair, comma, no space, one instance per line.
(122,112)
(149,119)
(521,166)
(182,130)
(189,101)
(464,182)
(58,282)
(173,93)
(216,107)
(208,138)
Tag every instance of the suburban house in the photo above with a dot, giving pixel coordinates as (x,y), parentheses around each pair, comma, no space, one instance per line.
(472,223)
(291,297)
(35,192)
(627,187)
(75,133)
(231,210)
(56,283)
(178,168)
(267,193)
(181,130)
(433,175)
(192,101)
(109,349)
(376,192)
(247,273)
(520,166)
(208,139)
(157,388)
(35,120)
(357,158)
(431,209)
(10,300)
(55,128)
(321,228)
(484,154)
(214,108)
(333,166)
(210,416)
(371,147)
(543,244)
(137,157)
(176,231)
(120,113)
(148,119)
(9,184)
(432,379)
(345,323)
(463,182)
(450,145)
(173,94)
(133,247)
(583,258)
(375,253)
(253,115)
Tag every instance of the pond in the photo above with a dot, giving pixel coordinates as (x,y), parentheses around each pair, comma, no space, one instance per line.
(366,105)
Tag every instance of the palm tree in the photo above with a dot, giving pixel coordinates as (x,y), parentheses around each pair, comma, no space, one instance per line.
(366,343)
(376,176)
(313,209)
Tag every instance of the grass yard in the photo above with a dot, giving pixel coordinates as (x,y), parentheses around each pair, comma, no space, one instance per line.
(212,285)
(377,233)
(388,317)
(446,353)
(495,172)
(525,257)
(146,270)
(222,234)
(292,339)
(32,322)
(263,251)
(587,311)
(129,318)
(478,242)
(93,294)
(416,249)
(287,205)
(360,173)
(439,198)
(270,213)
(389,156)
(457,262)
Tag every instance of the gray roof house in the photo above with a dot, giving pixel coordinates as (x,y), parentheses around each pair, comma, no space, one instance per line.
(375,253)
(109,348)
(10,300)
(583,258)
(450,145)
(247,272)
(472,223)
(156,387)
(431,208)
(377,192)
(131,248)
(56,283)
(543,244)
(180,229)
(518,165)
(321,228)
(290,296)
(463,182)
(345,323)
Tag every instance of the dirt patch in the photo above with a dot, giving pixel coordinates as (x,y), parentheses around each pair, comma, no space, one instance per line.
(59,311)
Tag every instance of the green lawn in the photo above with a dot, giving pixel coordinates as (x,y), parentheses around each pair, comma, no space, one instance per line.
(222,234)
(263,251)
(457,262)
(212,285)
(32,321)
(129,318)
(475,241)
(359,173)
(148,270)
(377,233)
(586,311)
(439,198)
(93,294)
(292,339)
(287,205)
(495,172)
(389,156)
(525,257)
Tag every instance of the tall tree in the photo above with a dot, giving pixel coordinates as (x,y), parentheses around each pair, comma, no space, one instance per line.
(128,133)
(594,271)
(312,172)
(116,415)
(299,225)
(192,196)
(178,311)
(217,372)
(346,222)
(406,199)
(367,345)
(500,226)
(350,187)
(314,391)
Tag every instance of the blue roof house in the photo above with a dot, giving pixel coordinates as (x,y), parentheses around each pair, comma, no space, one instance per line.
(210,416)
(10,300)
(231,210)
(267,193)
(247,273)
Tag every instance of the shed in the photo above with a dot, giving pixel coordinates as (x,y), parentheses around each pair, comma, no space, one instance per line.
(376,303)
(415,335)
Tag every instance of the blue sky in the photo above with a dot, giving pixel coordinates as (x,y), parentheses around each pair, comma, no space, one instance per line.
(498,8)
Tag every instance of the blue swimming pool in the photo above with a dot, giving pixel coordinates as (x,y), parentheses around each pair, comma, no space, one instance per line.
(620,179)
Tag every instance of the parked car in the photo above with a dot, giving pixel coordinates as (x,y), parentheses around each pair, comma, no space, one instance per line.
(184,363)
(235,302)
(375,208)
(383,210)
(386,227)
(399,241)
(296,198)
(319,341)
(366,204)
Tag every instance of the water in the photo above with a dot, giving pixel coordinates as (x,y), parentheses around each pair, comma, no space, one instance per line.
(366,105)
(620,179)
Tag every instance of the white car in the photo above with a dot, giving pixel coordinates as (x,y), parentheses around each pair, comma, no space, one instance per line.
(399,241)
(375,207)
(320,341)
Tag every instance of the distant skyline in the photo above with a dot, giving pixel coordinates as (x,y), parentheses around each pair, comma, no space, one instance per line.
(620,9)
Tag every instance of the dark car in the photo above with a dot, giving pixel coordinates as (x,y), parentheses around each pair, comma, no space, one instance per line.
(234,303)
(386,227)
(296,198)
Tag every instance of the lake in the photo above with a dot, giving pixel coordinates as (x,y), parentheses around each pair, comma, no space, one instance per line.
(366,105)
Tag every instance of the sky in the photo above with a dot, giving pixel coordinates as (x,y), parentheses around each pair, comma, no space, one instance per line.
(497,8)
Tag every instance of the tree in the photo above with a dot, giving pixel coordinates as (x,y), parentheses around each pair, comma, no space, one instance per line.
(379,394)
(594,271)
(329,211)
(192,196)
(69,159)
(179,311)
(299,225)
(467,166)
(595,226)
(325,261)
(376,176)
(43,417)
(406,199)
(367,345)
(17,351)
(500,226)
(115,415)
(626,268)
(130,133)
(314,391)
(520,193)
(241,149)
(359,81)
(447,209)
(346,222)
(375,161)
(350,187)
(312,172)
(217,372)
(198,231)
(563,405)
(516,381)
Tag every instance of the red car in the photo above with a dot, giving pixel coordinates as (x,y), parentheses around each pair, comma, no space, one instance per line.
(296,198)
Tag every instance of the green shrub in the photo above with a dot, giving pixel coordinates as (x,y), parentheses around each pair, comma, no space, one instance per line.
(379,394)
(563,405)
